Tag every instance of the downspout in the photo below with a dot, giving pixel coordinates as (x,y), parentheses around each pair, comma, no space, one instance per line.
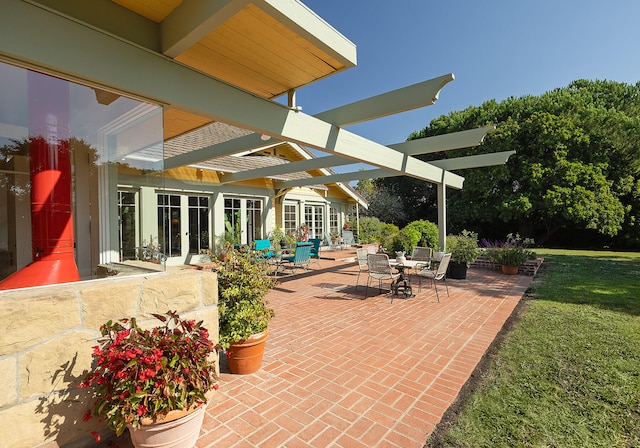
(50,169)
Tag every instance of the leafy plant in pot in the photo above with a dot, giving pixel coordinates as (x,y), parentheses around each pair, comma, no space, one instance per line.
(153,381)
(464,251)
(511,253)
(277,238)
(243,311)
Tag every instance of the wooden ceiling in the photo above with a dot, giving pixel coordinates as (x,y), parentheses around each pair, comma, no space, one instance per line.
(252,45)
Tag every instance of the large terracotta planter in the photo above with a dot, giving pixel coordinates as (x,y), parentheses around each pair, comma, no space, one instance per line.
(180,429)
(510,270)
(246,356)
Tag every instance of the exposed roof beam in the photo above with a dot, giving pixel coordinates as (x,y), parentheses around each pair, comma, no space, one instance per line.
(110,17)
(335,178)
(449,179)
(285,168)
(240,144)
(400,100)
(458,163)
(192,20)
(454,140)
(477,161)
(444,142)
(29,33)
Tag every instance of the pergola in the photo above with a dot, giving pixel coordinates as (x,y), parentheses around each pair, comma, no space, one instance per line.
(227,60)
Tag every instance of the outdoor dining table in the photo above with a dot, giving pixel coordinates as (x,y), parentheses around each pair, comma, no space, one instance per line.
(403,282)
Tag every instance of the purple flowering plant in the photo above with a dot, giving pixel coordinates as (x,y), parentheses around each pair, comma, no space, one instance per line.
(513,251)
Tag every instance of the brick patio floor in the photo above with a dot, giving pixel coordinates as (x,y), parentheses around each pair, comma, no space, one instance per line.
(341,371)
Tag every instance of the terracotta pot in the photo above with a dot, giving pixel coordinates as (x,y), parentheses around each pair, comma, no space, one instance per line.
(246,356)
(510,270)
(180,429)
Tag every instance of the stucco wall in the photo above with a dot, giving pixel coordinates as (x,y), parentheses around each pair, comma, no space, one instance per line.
(46,339)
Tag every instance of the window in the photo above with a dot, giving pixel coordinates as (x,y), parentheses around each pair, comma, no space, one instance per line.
(169,224)
(314,218)
(232,221)
(92,140)
(334,223)
(242,220)
(128,222)
(254,219)
(290,218)
(198,224)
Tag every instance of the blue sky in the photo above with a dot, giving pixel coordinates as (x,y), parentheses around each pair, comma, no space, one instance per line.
(495,49)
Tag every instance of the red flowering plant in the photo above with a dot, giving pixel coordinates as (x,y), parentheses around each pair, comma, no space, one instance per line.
(145,373)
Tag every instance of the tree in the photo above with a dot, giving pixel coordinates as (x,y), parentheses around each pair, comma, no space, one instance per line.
(576,168)
(383,203)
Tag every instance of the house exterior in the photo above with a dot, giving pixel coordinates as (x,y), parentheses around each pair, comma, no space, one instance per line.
(129,126)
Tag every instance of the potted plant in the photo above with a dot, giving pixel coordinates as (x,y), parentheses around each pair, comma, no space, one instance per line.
(303,232)
(511,253)
(153,380)
(290,240)
(464,251)
(277,238)
(243,312)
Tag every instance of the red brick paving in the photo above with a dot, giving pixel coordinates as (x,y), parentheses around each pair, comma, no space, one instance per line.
(342,371)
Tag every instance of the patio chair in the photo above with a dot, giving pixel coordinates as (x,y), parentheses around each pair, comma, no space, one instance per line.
(379,269)
(362,254)
(421,253)
(434,275)
(347,238)
(300,259)
(315,250)
(264,248)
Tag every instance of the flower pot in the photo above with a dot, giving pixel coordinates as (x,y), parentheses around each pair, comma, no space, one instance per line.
(246,356)
(510,270)
(178,431)
(457,271)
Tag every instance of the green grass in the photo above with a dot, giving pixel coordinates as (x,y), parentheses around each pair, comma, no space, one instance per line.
(568,375)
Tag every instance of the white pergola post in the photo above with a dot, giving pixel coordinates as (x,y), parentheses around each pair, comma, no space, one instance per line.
(442,217)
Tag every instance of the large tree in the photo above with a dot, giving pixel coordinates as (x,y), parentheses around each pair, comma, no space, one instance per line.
(576,171)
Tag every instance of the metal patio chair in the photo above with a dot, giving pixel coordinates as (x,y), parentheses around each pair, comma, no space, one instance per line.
(434,275)
(379,269)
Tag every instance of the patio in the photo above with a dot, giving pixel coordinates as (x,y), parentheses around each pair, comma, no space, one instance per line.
(345,372)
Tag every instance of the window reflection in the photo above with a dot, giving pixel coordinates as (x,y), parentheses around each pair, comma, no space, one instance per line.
(68,146)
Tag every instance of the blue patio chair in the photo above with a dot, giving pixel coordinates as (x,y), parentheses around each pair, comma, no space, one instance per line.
(264,247)
(300,259)
(315,249)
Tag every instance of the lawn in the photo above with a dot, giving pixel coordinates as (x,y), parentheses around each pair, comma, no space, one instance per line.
(568,374)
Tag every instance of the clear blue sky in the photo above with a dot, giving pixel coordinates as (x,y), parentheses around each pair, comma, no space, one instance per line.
(495,49)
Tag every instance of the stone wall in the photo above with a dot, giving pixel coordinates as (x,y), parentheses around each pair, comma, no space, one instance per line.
(46,344)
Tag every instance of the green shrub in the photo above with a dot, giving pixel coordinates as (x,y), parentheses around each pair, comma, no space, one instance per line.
(370,230)
(387,235)
(463,247)
(407,239)
(428,233)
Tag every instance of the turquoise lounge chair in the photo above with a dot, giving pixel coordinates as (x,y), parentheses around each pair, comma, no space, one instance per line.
(264,247)
(300,259)
(315,250)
